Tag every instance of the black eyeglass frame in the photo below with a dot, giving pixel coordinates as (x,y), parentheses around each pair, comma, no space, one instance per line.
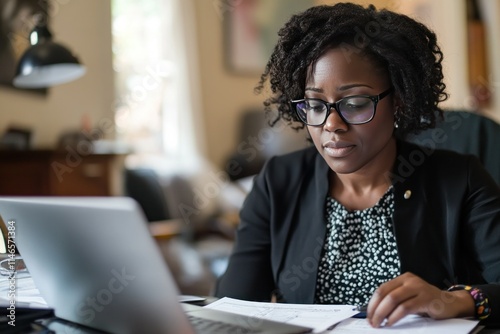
(334,105)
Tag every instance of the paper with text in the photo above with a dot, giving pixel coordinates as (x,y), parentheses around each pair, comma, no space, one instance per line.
(26,293)
(409,324)
(318,317)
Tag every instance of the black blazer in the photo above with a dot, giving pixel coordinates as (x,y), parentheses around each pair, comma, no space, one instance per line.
(447,231)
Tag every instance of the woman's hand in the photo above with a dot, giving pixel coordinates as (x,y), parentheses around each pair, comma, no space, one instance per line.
(409,294)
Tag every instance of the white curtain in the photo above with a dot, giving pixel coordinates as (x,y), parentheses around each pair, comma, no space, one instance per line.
(159,103)
(182,105)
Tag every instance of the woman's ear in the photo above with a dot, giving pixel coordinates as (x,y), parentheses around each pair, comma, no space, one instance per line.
(396,102)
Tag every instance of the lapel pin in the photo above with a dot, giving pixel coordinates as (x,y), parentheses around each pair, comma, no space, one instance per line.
(407,194)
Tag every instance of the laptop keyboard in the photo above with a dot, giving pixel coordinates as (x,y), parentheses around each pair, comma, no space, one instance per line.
(207,326)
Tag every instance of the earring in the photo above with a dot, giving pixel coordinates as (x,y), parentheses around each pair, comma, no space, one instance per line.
(396,117)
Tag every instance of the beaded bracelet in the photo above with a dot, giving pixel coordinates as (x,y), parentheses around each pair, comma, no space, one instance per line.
(481,302)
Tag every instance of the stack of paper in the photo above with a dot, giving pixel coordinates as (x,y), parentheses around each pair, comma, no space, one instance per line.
(319,317)
(337,318)
(409,324)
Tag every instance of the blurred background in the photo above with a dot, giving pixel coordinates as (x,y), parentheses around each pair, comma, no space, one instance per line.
(166,111)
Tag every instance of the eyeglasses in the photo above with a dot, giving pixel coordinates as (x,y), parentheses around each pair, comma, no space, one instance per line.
(356,109)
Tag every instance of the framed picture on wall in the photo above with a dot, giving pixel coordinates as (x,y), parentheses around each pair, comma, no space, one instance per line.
(251,31)
(17,20)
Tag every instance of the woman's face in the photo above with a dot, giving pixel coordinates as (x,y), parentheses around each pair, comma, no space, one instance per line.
(351,148)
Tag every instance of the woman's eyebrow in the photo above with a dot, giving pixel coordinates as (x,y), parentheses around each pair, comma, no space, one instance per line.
(314,89)
(346,87)
(341,88)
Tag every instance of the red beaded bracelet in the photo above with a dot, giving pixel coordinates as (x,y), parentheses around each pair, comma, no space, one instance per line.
(481,303)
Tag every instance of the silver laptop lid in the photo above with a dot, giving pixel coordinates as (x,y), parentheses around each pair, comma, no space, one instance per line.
(95,263)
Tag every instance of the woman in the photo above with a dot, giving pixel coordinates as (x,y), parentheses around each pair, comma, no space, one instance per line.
(363,217)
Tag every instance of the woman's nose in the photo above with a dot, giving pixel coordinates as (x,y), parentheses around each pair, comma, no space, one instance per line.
(334,122)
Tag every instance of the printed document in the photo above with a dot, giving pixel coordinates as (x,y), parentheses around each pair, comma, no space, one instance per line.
(337,318)
(409,324)
(318,317)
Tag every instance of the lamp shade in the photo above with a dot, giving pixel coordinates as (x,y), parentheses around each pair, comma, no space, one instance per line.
(46,63)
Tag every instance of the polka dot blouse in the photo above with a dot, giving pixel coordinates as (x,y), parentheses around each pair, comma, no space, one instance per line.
(359,252)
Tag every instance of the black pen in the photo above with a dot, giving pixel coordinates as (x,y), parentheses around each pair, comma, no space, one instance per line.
(362,311)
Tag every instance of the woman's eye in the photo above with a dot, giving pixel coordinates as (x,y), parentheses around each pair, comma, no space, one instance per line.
(353,105)
(317,108)
(356,104)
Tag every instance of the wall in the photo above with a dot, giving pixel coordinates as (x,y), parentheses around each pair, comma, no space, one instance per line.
(85,28)
(225,95)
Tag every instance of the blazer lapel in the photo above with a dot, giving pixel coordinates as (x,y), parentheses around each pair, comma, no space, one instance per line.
(306,240)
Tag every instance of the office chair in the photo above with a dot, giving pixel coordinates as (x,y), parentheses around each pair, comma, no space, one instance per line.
(142,185)
(466,132)
(257,141)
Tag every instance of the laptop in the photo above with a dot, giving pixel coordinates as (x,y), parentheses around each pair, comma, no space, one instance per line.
(96,264)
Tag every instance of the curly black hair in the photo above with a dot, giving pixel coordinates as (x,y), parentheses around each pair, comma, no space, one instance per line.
(405,48)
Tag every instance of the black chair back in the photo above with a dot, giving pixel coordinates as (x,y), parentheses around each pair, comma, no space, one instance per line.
(466,132)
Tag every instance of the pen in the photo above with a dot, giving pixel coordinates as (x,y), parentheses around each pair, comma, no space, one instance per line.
(362,311)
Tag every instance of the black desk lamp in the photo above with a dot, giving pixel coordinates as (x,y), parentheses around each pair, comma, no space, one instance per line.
(46,63)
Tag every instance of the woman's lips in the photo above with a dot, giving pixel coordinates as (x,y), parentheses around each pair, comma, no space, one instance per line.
(338,149)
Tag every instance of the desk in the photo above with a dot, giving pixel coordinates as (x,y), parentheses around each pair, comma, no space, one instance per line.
(27,288)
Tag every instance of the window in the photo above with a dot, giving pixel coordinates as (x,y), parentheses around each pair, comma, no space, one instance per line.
(154,100)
